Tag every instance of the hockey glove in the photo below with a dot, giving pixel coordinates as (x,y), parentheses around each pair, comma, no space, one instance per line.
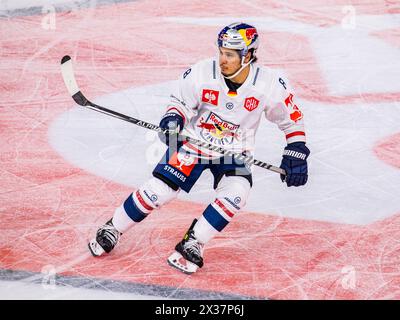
(170,121)
(294,162)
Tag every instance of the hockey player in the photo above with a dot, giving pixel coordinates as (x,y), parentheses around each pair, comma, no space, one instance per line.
(220,101)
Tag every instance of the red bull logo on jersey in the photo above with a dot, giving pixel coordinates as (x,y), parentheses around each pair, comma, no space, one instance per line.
(210,96)
(216,130)
(251,103)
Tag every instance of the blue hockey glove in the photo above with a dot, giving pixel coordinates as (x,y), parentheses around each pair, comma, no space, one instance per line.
(170,121)
(294,162)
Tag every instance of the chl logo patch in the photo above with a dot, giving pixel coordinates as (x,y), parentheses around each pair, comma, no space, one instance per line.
(251,103)
(210,96)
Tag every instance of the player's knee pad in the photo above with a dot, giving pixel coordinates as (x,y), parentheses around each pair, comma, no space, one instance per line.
(154,193)
(151,195)
(232,192)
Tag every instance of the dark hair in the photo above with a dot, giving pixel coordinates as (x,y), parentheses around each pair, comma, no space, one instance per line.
(253,56)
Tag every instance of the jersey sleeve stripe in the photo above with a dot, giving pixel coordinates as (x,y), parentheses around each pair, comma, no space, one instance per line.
(295,133)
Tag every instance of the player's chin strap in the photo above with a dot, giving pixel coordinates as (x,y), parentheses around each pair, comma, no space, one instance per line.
(244,65)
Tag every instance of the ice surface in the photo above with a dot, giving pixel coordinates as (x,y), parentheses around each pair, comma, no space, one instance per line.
(64,169)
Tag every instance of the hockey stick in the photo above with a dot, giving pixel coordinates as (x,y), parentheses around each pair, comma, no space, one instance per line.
(73,89)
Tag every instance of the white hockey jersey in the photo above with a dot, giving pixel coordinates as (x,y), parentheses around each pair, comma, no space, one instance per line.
(215,115)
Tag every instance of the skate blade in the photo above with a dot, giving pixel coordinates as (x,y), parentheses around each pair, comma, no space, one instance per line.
(95,249)
(177,261)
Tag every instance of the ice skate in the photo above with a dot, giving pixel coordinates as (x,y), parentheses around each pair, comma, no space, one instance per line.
(188,255)
(106,239)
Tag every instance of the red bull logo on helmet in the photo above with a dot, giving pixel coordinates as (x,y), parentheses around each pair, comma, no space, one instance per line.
(248,35)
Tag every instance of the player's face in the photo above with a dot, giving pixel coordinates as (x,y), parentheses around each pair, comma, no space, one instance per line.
(229,61)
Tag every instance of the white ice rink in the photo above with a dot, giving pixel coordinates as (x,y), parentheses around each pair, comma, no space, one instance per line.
(344,62)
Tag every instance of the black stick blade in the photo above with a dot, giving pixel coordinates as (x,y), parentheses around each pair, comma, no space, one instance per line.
(65,59)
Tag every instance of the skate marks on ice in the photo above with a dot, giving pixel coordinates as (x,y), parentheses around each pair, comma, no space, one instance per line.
(50,208)
(388,150)
(249,260)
